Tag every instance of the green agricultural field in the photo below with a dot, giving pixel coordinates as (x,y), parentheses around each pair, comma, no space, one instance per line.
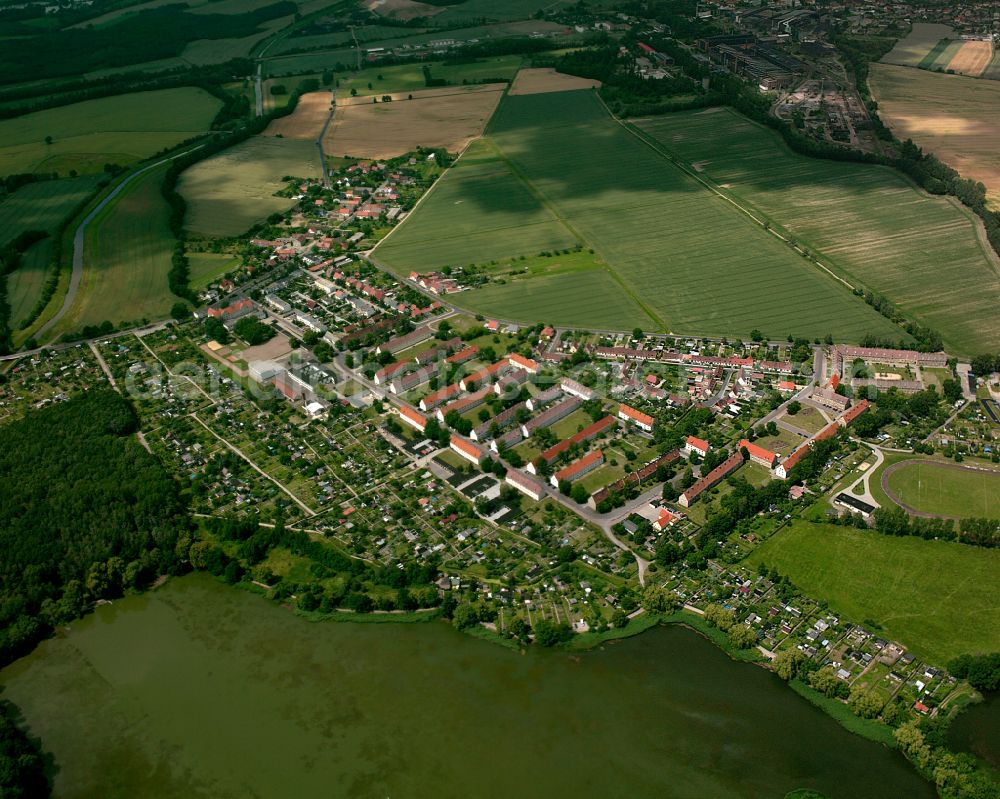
(491,10)
(947,490)
(127,257)
(43,205)
(229,192)
(936,54)
(410,77)
(937,598)
(24,286)
(121,129)
(556,171)
(206,267)
(869,223)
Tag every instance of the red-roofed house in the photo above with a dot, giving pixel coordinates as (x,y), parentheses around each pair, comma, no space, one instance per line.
(758,454)
(827,432)
(787,386)
(233,310)
(696,446)
(578,468)
(640,419)
(463,355)
(727,467)
(435,398)
(486,375)
(413,418)
(664,520)
(853,413)
(471,452)
(492,325)
(789,463)
(527,364)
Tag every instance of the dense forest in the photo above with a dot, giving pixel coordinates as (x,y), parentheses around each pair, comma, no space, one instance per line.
(85,513)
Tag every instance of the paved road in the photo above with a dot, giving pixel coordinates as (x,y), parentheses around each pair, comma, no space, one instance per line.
(80,236)
(865,479)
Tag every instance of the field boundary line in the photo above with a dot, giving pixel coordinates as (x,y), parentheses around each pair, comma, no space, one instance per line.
(672,159)
(565,222)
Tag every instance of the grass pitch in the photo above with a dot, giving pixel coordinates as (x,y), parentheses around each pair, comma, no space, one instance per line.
(947,490)
(121,129)
(234,189)
(869,223)
(937,598)
(556,171)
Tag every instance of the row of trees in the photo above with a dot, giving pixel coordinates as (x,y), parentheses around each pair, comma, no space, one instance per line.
(977,532)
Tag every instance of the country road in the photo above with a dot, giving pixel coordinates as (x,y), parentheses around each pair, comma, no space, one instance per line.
(80,236)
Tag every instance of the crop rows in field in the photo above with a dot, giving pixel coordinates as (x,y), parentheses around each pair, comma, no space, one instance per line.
(871,223)
(42,205)
(687,259)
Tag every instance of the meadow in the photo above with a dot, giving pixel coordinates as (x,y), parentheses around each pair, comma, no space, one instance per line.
(123,129)
(937,598)
(946,489)
(410,77)
(951,116)
(126,259)
(229,192)
(557,166)
(868,223)
(207,267)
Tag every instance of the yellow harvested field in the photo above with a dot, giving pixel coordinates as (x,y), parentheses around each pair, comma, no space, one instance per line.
(541,81)
(306,121)
(952,116)
(912,49)
(972,59)
(449,119)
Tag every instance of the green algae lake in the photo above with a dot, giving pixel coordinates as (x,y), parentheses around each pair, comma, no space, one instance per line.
(201,690)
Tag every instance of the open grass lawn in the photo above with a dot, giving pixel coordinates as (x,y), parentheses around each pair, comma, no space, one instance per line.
(808,419)
(121,129)
(556,171)
(946,490)
(937,598)
(127,257)
(232,190)
(43,205)
(868,222)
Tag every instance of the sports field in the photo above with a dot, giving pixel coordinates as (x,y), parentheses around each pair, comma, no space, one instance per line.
(229,192)
(448,118)
(127,257)
(122,129)
(556,170)
(946,489)
(951,116)
(938,598)
(911,50)
(869,223)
